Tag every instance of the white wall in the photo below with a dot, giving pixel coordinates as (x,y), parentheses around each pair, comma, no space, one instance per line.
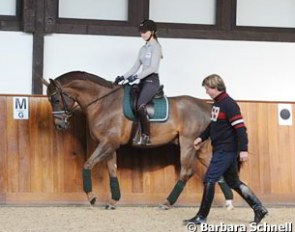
(251,70)
(15,63)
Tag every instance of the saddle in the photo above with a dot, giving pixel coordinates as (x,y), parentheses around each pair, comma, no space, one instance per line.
(157,108)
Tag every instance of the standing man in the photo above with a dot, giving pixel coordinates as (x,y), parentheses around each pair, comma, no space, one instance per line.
(230,143)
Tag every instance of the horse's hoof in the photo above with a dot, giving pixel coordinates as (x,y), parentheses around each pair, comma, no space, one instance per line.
(91,198)
(164,206)
(110,207)
(92,201)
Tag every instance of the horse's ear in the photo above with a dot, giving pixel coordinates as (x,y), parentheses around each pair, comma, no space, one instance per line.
(52,82)
(44,82)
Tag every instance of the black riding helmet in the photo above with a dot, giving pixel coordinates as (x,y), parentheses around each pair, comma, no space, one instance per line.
(147,25)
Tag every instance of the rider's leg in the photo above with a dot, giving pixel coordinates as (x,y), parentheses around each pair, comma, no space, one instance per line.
(148,91)
(144,125)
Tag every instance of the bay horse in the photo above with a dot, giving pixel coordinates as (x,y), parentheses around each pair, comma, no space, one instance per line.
(101,101)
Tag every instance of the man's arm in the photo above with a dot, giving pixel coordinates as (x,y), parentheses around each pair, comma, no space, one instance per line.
(202,137)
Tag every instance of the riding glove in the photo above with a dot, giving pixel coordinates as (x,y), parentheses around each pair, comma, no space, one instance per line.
(132,78)
(119,79)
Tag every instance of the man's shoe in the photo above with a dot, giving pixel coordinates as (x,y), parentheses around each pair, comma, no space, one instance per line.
(259,214)
(197,220)
(229,205)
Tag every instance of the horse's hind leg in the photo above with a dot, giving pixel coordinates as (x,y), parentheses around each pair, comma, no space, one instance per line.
(187,154)
(114,183)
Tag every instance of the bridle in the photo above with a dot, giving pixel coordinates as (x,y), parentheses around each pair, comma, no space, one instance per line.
(67,112)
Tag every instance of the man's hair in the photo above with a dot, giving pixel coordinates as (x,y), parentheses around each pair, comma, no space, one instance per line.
(214,81)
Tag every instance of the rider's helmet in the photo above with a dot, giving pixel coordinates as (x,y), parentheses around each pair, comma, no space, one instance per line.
(147,25)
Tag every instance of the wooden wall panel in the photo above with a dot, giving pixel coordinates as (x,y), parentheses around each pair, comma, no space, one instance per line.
(41,165)
(270,168)
(3,149)
(35,133)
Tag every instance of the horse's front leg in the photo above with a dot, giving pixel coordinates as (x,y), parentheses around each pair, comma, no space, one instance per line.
(187,154)
(102,151)
(114,183)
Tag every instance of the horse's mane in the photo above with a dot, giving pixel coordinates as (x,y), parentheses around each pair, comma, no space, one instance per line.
(78,75)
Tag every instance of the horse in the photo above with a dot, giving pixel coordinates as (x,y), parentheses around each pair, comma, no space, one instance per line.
(101,102)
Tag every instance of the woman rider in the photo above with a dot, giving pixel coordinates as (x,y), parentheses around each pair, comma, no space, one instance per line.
(148,59)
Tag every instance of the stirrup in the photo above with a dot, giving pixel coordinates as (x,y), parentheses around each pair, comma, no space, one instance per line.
(143,140)
(137,137)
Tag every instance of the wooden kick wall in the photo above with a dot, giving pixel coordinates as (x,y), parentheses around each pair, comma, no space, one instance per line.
(42,166)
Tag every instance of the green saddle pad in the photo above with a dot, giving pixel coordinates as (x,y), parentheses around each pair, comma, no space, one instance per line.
(160,105)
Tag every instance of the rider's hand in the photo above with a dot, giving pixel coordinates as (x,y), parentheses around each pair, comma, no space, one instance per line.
(119,79)
(132,78)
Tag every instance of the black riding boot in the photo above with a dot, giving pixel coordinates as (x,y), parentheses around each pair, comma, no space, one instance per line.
(144,126)
(208,195)
(259,210)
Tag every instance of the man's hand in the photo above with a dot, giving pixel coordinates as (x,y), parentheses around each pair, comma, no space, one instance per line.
(197,143)
(243,156)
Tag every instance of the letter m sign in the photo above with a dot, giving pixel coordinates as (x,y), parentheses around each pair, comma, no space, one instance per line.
(20,108)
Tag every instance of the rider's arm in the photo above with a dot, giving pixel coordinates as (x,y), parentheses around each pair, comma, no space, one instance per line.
(134,68)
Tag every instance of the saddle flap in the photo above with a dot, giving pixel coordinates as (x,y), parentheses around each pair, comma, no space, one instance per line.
(158,108)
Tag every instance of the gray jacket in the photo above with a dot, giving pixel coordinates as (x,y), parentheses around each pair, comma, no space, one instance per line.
(149,57)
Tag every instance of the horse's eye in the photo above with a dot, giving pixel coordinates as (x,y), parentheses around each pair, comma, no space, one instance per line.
(56,101)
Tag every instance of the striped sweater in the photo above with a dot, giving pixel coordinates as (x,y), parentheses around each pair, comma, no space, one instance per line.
(227,129)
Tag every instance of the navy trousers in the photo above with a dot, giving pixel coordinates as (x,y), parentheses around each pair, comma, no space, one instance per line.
(223,164)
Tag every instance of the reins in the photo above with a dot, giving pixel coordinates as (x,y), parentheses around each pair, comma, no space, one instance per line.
(106,95)
(75,108)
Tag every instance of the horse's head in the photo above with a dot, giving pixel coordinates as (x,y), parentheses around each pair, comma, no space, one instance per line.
(65,91)
(62,104)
